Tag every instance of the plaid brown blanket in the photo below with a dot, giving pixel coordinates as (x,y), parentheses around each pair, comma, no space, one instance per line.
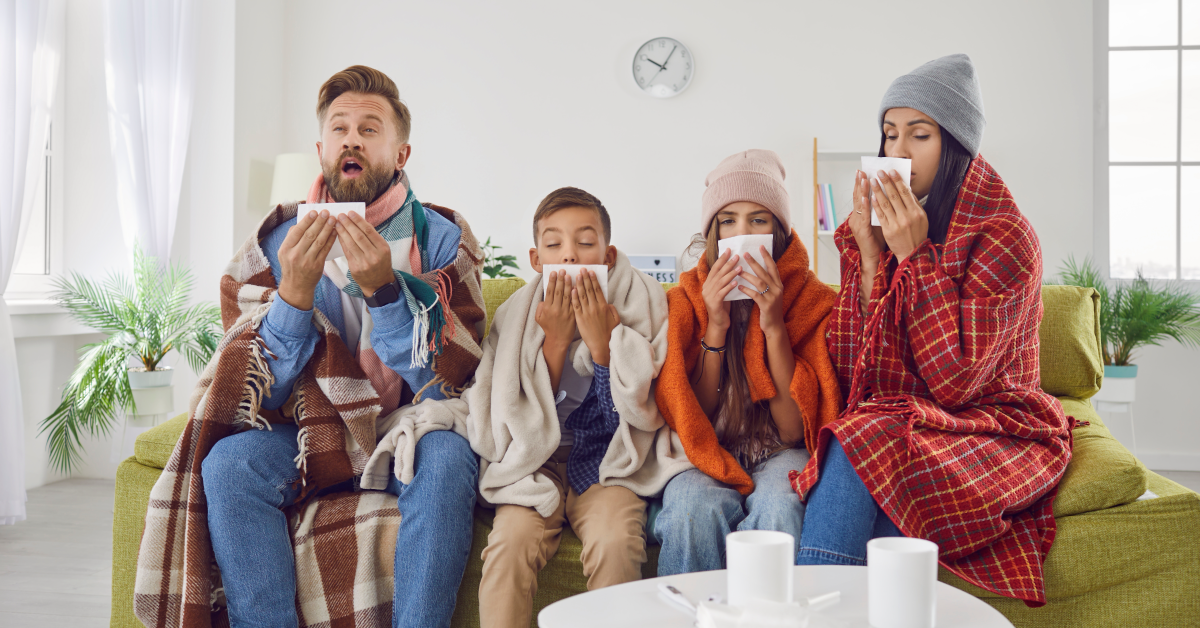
(340,540)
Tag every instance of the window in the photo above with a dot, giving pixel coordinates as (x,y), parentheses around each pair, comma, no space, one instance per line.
(34,256)
(40,257)
(1152,167)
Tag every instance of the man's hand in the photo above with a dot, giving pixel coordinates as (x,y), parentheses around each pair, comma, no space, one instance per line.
(594,316)
(302,258)
(367,253)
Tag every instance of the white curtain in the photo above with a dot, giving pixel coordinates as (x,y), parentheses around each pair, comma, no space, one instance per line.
(149,55)
(30,54)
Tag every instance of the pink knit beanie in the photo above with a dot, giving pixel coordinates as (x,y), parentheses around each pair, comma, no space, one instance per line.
(754,175)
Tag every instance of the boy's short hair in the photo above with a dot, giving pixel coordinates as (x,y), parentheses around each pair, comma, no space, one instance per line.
(563,198)
(364,80)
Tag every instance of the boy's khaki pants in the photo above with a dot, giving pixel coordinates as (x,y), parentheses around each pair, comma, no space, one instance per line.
(608,520)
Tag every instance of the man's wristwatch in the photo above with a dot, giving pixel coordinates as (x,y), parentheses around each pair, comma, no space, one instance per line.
(385,295)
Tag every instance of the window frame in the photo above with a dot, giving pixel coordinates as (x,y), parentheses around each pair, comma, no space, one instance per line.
(38,287)
(1101,251)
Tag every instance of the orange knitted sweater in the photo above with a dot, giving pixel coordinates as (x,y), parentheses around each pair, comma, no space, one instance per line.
(807,305)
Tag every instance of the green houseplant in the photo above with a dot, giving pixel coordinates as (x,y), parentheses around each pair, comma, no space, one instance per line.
(1137,313)
(145,319)
(494,265)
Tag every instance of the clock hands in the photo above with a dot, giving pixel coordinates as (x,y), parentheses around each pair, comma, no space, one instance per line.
(664,63)
(660,67)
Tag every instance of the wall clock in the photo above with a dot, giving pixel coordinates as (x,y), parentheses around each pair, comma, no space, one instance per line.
(663,67)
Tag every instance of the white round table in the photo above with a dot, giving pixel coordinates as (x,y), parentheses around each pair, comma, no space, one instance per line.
(639,604)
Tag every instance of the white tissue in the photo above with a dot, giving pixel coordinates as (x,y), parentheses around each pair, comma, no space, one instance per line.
(871,167)
(745,245)
(335,210)
(756,614)
(573,272)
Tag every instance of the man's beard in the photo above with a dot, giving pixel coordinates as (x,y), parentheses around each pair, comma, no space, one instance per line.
(367,187)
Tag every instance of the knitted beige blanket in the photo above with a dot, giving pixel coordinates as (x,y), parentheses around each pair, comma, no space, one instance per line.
(508,413)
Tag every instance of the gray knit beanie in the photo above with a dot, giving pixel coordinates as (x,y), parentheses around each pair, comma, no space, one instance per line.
(947,90)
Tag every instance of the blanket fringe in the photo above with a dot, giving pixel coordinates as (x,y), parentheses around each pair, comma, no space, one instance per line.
(258,384)
(301,458)
(423,336)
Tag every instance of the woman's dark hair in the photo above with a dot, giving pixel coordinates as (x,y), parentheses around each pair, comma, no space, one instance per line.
(943,194)
(743,417)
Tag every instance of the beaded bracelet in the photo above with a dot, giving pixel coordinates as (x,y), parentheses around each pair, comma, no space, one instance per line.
(704,345)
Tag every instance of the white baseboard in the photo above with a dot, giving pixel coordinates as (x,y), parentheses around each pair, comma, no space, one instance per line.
(1171,461)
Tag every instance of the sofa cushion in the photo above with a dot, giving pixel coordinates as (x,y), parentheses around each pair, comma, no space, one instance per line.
(496,292)
(1070,339)
(1137,564)
(153,448)
(1102,473)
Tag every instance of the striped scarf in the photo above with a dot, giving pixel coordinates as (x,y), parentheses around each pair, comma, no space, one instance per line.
(407,233)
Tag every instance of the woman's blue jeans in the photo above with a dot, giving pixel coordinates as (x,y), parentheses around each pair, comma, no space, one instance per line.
(248,480)
(698,512)
(841,515)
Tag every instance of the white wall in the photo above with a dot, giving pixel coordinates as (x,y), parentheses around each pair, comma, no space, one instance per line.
(511,101)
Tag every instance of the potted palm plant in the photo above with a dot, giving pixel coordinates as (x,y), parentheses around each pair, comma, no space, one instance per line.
(145,319)
(1136,314)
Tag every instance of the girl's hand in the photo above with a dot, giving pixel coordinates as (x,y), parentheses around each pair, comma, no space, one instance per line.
(594,316)
(868,238)
(722,278)
(767,293)
(905,224)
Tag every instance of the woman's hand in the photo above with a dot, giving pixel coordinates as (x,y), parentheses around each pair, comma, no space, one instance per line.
(767,293)
(905,224)
(870,244)
(722,278)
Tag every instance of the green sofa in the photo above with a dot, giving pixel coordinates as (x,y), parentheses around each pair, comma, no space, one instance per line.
(1117,560)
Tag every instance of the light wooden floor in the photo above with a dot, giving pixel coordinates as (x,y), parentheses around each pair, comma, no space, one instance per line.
(56,567)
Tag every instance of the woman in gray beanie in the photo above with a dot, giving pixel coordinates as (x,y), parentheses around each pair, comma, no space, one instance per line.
(946,434)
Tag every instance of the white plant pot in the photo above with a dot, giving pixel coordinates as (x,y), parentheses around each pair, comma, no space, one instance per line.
(158,378)
(1120,385)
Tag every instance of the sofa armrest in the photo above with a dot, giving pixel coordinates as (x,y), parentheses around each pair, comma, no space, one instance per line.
(153,448)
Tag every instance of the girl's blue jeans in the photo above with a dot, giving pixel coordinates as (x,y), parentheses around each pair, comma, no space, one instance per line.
(698,512)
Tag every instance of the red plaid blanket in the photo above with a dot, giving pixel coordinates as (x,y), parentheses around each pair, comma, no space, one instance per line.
(945,421)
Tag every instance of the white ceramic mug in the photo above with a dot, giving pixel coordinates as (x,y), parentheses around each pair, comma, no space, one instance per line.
(901,582)
(760,566)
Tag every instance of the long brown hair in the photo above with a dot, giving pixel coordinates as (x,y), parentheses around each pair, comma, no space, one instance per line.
(743,417)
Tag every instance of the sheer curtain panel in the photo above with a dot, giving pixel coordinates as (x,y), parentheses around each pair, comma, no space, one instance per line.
(149,54)
(30,54)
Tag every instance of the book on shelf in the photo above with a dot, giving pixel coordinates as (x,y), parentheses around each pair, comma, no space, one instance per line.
(821,208)
(832,220)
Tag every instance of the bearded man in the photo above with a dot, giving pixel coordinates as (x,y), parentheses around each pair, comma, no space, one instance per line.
(316,355)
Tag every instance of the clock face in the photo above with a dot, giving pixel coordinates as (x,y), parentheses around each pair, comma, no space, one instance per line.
(663,67)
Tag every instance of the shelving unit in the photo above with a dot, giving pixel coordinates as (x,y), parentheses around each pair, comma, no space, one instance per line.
(838,168)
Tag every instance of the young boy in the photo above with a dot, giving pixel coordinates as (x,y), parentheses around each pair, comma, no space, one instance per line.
(563,415)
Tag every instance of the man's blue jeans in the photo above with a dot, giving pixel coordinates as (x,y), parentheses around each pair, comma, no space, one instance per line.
(248,479)
(841,515)
(698,512)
